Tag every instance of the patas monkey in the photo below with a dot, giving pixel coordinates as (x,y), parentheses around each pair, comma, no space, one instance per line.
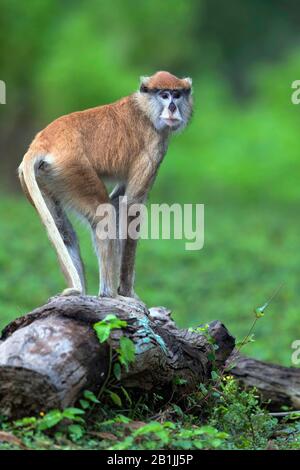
(67,163)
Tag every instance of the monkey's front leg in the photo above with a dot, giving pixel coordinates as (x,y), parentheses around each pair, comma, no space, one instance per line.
(127,268)
(108,253)
(136,193)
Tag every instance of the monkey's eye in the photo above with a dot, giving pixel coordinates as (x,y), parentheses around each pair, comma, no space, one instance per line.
(164,95)
(176,94)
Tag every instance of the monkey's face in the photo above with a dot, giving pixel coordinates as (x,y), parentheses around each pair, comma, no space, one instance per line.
(173,108)
(167,100)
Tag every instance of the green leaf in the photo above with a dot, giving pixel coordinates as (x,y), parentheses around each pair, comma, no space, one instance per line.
(216,442)
(203,389)
(74,411)
(121,419)
(207,430)
(126,395)
(115,398)
(90,396)
(117,371)
(183,444)
(126,351)
(161,431)
(214,375)
(177,409)
(198,444)
(84,404)
(105,326)
(25,422)
(115,322)
(179,381)
(50,419)
(76,431)
(102,331)
(295,415)
(153,426)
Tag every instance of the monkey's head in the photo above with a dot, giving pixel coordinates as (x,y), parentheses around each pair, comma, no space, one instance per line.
(166,100)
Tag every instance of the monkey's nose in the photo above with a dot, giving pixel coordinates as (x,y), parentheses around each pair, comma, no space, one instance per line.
(172,107)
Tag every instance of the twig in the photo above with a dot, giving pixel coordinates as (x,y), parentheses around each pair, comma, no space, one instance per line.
(282,414)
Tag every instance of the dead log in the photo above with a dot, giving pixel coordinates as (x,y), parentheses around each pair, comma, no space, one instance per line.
(276,384)
(49,356)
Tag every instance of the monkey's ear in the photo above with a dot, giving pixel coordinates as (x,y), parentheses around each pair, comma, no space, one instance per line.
(188,80)
(144,84)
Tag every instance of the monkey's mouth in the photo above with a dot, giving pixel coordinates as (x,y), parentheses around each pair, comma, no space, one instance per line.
(172,122)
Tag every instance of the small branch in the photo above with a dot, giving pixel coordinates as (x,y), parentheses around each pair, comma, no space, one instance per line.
(283,414)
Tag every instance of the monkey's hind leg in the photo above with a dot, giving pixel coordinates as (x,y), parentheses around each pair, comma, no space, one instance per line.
(31,164)
(70,240)
(88,195)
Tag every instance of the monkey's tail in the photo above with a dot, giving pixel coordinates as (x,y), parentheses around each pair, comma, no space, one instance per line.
(27,171)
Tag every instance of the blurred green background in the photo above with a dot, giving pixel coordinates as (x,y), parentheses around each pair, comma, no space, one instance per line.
(240,155)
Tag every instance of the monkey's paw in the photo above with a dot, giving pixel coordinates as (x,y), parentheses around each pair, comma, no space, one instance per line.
(70,291)
(130,295)
(107,294)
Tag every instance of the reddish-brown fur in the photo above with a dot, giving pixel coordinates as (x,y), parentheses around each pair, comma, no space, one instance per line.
(105,141)
(165,80)
(75,152)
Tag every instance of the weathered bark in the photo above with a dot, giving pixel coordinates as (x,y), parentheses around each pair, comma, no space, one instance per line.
(277,384)
(49,356)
